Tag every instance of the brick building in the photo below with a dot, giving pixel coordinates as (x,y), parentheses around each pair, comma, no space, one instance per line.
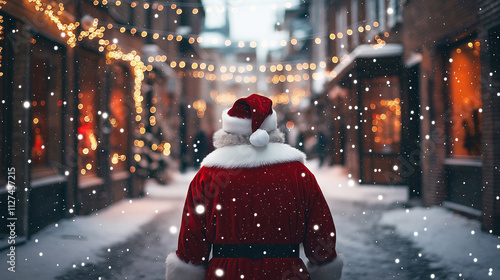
(490,63)
(71,125)
(457,89)
(370,132)
(443,71)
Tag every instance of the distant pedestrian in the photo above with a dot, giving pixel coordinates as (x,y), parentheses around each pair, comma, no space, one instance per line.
(321,147)
(252,203)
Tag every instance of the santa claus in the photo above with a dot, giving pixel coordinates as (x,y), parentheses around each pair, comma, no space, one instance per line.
(252,206)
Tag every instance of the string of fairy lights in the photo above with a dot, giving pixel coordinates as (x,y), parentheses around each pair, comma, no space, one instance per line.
(237,73)
(207,70)
(156,34)
(198,69)
(195,38)
(192,68)
(227,73)
(170,36)
(285,71)
(195,7)
(114,53)
(203,69)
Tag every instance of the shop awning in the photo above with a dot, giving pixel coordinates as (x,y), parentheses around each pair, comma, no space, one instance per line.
(365,52)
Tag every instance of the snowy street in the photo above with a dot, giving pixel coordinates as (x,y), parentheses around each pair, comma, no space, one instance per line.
(130,239)
(108,108)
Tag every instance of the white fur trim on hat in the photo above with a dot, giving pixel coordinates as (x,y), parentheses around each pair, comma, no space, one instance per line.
(329,271)
(178,269)
(244,126)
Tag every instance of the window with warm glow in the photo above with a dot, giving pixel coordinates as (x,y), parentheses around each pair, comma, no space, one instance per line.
(46,107)
(88,122)
(465,114)
(382,105)
(119,118)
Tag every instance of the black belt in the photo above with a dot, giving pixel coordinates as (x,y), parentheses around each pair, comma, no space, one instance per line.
(255,251)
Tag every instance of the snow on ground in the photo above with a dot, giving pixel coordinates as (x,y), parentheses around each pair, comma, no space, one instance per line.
(336,183)
(177,189)
(451,240)
(60,246)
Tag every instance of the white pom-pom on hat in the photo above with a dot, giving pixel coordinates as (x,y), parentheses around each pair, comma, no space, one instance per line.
(259,138)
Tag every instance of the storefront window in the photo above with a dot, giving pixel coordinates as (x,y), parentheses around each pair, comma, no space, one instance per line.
(383,123)
(46,107)
(464,77)
(119,118)
(88,122)
(380,114)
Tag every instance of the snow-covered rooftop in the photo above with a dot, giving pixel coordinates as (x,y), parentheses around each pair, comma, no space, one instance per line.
(367,51)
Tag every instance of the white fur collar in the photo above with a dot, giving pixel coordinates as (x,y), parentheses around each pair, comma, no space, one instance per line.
(247,156)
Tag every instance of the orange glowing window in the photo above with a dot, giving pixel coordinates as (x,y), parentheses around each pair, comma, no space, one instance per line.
(464,83)
(383,125)
(46,115)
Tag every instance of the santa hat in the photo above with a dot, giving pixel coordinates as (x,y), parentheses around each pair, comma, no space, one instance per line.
(252,115)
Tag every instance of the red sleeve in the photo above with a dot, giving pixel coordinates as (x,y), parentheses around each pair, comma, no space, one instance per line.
(320,239)
(192,245)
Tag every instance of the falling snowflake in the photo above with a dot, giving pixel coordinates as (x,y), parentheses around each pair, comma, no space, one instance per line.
(200,209)
(219,272)
(173,229)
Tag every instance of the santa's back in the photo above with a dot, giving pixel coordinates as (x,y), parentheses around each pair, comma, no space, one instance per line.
(251,206)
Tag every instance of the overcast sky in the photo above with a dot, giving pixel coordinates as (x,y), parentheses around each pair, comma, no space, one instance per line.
(250,20)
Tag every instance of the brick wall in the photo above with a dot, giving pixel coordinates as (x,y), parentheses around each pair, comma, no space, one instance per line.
(490,61)
(428,22)
(21,126)
(428,26)
(433,124)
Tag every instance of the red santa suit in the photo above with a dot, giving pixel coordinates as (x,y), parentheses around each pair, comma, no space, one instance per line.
(251,205)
